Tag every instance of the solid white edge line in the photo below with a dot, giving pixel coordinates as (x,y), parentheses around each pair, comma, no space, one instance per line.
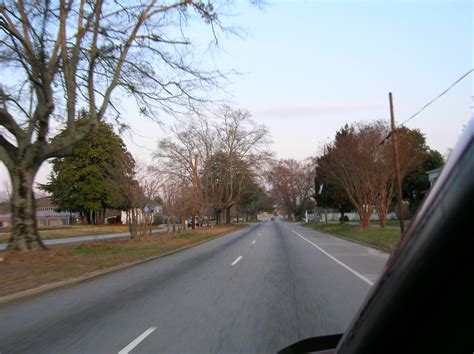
(253,242)
(357,274)
(236,261)
(137,341)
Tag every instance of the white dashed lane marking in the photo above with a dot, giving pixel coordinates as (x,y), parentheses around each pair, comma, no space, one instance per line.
(137,341)
(236,261)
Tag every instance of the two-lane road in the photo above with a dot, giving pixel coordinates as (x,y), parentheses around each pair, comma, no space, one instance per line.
(255,290)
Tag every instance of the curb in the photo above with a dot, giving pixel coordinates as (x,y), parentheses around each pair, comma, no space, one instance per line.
(21,295)
(347,239)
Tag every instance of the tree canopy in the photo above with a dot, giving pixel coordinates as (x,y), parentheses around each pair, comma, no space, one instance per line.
(363,167)
(416,183)
(218,159)
(95,176)
(292,185)
(332,195)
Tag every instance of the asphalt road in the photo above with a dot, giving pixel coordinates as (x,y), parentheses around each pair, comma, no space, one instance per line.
(256,290)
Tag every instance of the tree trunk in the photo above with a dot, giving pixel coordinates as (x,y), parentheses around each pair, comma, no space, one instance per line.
(218,217)
(150,225)
(25,234)
(364,214)
(102,216)
(227,215)
(133,222)
(365,221)
(382,213)
(382,209)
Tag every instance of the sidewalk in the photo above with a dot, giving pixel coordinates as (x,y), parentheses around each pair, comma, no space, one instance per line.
(60,241)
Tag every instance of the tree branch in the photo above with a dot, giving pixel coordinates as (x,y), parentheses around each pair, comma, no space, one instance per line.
(7,121)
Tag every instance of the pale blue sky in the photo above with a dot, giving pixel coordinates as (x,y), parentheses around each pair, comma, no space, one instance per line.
(350,55)
(308,67)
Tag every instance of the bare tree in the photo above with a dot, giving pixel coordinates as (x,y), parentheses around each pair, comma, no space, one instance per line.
(410,150)
(135,203)
(349,162)
(176,201)
(182,156)
(364,168)
(215,159)
(59,55)
(150,187)
(241,154)
(292,185)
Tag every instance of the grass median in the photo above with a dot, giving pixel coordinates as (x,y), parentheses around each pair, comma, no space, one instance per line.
(385,239)
(21,271)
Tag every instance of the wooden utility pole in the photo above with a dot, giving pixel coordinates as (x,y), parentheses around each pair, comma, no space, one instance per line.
(397,164)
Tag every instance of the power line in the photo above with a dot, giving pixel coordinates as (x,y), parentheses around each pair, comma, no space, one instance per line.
(438,97)
(427,105)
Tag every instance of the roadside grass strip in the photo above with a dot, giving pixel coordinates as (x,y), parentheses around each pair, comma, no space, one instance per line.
(385,239)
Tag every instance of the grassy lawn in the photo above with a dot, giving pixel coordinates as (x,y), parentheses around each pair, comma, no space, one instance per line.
(21,271)
(395,223)
(73,231)
(385,239)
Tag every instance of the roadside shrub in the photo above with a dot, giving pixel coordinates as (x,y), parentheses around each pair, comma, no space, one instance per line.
(343,219)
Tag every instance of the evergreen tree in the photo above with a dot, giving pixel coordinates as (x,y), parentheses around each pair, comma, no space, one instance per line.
(416,183)
(94,177)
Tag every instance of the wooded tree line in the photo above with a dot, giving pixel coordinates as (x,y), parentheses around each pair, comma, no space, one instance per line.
(355,172)
(206,168)
(215,166)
